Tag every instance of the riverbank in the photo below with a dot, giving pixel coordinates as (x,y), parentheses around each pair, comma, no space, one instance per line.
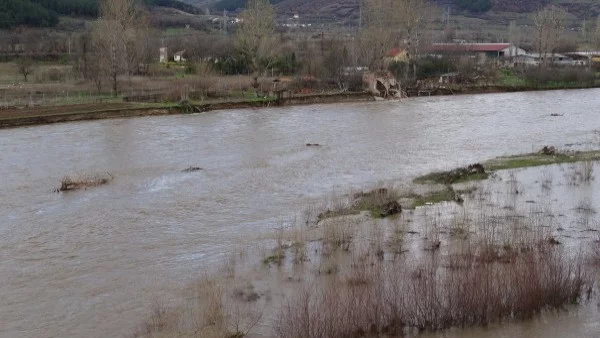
(486,89)
(37,115)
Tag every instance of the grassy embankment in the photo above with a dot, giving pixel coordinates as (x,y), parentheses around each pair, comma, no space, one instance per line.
(508,162)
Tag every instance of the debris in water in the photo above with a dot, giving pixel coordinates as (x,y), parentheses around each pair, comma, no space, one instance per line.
(191,169)
(69,183)
(548,150)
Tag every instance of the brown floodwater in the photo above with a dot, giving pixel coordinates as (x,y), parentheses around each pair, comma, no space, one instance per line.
(88,263)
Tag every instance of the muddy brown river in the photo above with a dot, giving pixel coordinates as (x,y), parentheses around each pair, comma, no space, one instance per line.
(89,263)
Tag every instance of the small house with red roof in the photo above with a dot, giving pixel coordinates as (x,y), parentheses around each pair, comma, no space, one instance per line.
(396,55)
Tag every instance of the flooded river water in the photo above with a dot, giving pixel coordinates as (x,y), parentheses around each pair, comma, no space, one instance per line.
(88,263)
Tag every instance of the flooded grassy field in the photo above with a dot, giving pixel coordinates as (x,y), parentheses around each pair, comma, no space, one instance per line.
(92,262)
(499,260)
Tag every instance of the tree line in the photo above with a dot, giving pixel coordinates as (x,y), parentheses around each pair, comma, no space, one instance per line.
(122,43)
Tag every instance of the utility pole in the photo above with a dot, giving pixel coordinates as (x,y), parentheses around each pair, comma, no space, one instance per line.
(322,43)
(360,9)
(297,17)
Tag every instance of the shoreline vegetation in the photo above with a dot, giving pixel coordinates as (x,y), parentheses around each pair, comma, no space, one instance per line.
(365,264)
(443,186)
(11,117)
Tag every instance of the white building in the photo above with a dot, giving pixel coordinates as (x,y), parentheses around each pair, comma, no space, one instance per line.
(164,57)
(179,56)
(534,59)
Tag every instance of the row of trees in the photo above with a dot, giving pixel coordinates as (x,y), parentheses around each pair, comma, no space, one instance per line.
(121,42)
(549,24)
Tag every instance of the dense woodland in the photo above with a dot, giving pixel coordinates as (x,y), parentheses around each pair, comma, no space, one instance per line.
(475,5)
(45,13)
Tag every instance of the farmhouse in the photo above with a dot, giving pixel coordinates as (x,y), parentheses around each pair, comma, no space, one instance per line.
(480,51)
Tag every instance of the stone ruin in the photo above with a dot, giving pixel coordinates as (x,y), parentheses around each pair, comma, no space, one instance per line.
(382,84)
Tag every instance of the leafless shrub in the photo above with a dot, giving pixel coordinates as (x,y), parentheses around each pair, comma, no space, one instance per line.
(158,321)
(546,181)
(429,296)
(299,244)
(310,213)
(432,231)
(279,251)
(581,173)
(595,251)
(214,309)
(337,233)
(513,183)
(585,206)
(396,241)
(461,225)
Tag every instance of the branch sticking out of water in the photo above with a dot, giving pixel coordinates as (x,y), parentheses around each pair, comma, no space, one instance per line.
(77,182)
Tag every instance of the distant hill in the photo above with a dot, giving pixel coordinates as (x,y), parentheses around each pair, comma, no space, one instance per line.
(340,9)
(45,13)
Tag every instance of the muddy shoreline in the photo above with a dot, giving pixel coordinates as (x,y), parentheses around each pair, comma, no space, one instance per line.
(29,116)
(488,89)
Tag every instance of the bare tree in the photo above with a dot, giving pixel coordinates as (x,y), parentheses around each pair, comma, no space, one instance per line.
(548,23)
(137,42)
(514,37)
(114,36)
(255,36)
(377,37)
(148,40)
(414,16)
(395,22)
(335,63)
(25,65)
(596,35)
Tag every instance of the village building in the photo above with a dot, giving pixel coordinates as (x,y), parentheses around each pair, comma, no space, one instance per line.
(163,56)
(396,55)
(482,52)
(535,59)
(179,56)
